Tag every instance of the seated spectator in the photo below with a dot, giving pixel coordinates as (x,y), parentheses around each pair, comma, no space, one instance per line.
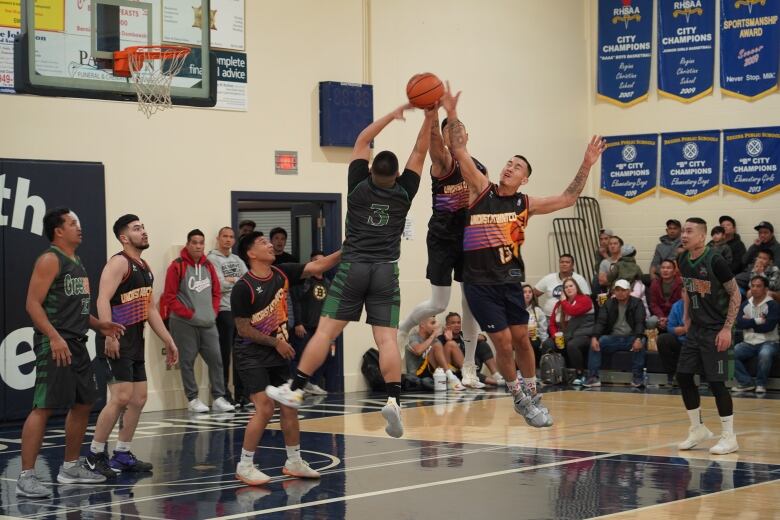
(758,317)
(734,241)
(626,267)
(620,327)
(668,246)
(452,338)
(573,316)
(639,291)
(762,266)
(422,350)
(614,247)
(551,285)
(766,240)
(602,251)
(670,342)
(664,292)
(537,321)
(719,243)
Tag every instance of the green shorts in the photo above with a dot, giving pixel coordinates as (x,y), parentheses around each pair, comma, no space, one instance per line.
(373,285)
(64,386)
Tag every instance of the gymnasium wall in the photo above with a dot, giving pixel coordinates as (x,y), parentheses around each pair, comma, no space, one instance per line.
(642,222)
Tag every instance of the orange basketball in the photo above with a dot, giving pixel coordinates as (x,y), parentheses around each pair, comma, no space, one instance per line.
(423,90)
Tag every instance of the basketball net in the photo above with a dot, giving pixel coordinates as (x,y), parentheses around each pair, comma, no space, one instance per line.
(152,69)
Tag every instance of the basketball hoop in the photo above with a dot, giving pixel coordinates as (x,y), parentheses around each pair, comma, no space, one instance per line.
(151,68)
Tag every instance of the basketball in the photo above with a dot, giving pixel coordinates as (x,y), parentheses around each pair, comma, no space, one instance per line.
(423,90)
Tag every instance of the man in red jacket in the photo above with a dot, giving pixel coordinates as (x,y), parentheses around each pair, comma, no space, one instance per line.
(664,291)
(192,294)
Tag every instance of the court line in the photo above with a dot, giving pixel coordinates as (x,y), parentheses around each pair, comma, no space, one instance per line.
(674,502)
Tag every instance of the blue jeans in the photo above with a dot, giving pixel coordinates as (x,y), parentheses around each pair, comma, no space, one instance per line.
(744,351)
(610,344)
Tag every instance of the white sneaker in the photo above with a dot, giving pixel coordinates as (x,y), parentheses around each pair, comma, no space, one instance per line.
(314,389)
(453,383)
(283,395)
(222,405)
(392,414)
(500,381)
(470,378)
(726,444)
(250,475)
(760,389)
(299,468)
(198,406)
(696,434)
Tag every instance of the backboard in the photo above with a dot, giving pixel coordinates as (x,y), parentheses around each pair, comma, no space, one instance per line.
(65,47)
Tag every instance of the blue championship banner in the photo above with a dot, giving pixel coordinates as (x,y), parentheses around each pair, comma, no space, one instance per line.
(628,166)
(749,47)
(751,161)
(625,41)
(686,49)
(690,165)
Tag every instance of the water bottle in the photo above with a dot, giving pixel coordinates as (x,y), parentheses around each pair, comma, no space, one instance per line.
(439,380)
(645,378)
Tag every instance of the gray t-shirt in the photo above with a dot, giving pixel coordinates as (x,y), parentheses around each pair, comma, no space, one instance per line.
(414,362)
(621,327)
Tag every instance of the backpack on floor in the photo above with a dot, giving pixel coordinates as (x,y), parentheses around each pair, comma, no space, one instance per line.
(370,368)
(553,368)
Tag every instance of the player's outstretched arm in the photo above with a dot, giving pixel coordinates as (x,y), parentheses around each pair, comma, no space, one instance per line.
(458,138)
(441,159)
(362,148)
(421,146)
(543,205)
(323,264)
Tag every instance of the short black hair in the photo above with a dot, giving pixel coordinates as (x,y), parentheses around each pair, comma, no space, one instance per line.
(717,229)
(697,220)
(385,164)
(766,251)
(122,222)
(526,163)
(673,222)
(619,239)
(247,222)
(52,220)
(671,261)
(567,255)
(246,243)
(760,277)
(451,315)
(195,233)
(725,218)
(317,252)
(276,231)
(223,228)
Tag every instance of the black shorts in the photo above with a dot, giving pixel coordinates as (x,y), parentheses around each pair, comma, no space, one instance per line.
(125,370)
(445,257)
(64,386)
(496,307)
(256,378)
(359,283)
(699,355)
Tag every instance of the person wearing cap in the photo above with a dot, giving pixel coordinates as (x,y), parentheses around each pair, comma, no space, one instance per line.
(734,241)
(766,240)
(245,227)
(620,327)
(668,246)
(626,267)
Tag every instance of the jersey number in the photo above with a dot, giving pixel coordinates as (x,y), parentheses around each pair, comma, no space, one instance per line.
(379,217)
(694,301)
(505,254)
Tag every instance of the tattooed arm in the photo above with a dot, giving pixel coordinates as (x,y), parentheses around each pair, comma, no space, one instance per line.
(543,205)
(723,341)
(441,158)
(247,331)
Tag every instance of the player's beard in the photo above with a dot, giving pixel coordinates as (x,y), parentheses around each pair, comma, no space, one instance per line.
(140,245)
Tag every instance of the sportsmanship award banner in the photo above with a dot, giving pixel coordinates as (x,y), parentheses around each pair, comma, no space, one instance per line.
(625,34)
(628,166)
(749,47)
(690,163)
(751,161)
(686,49)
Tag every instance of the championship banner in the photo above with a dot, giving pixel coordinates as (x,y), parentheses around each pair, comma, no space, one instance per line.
(625,42)
(686,49)
(751,161)
(749,47)
(628,167)
(690,165)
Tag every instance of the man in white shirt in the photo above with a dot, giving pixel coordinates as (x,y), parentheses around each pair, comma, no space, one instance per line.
(552,285)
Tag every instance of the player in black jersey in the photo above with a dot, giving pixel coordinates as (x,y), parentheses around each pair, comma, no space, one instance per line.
(711,301)
(377,204)
(58,302)
(263,351)
(445,249)
(493,268)
(126,297)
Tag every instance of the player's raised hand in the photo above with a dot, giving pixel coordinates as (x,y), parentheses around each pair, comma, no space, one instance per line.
(398,113)
(432,111)
(449,101)
(595,148)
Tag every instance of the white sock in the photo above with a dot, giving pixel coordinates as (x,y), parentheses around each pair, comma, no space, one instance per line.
(70,464)
(294,452)
(97,447)
(122,446)
(27,473)
(450,375)
(727,423)
(514,386)
(470,331)
(497,376)
(247,457)
(530,384)
(695,416)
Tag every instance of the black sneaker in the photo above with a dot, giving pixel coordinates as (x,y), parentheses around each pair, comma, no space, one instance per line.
(98,462)
(126,461)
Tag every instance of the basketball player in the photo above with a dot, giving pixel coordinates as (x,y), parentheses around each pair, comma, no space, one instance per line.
(58,302)
(126,297)
(263,351)
(711,301)
(445,248)
(493,270)
(377,204)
